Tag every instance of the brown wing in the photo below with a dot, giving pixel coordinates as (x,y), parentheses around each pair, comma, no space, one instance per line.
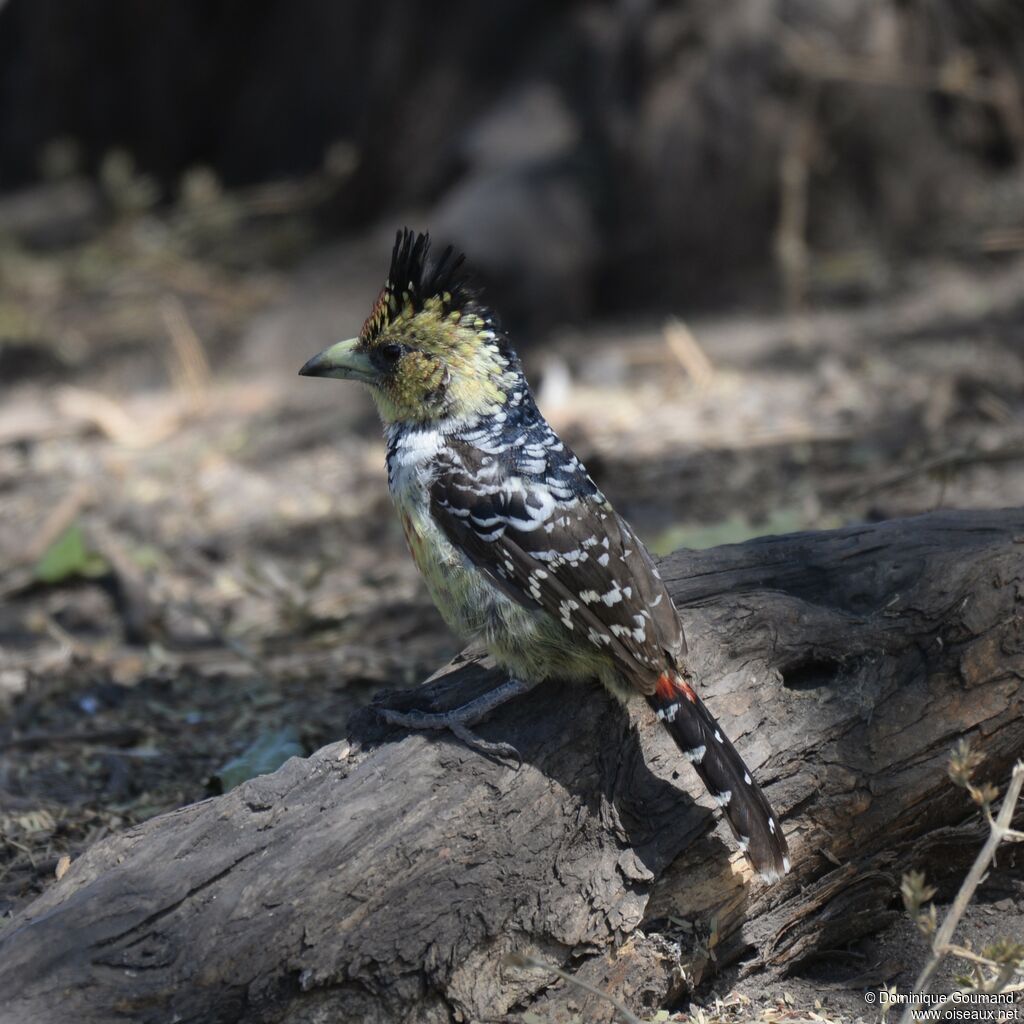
(545,534)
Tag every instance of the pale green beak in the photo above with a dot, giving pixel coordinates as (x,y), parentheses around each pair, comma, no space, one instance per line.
(343,361)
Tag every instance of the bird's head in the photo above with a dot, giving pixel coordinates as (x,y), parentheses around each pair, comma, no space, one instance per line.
(428,350)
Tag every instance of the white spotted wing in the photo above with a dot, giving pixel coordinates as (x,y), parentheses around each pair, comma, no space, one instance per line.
(529,516)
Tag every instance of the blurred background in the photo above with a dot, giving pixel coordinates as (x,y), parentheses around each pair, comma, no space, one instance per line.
(764,261)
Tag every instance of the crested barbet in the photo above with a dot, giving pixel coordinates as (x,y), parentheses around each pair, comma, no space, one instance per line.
(520,550)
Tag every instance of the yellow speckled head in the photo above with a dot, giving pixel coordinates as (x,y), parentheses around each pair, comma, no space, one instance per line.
(427,350)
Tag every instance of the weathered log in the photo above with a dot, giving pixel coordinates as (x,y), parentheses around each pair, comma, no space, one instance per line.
(385,877)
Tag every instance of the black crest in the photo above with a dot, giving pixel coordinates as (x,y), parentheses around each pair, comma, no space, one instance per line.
(416,278)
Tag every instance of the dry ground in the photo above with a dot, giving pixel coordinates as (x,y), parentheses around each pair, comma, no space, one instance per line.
(201,574)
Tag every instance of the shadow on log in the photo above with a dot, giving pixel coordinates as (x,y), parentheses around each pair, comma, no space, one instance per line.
(385,877)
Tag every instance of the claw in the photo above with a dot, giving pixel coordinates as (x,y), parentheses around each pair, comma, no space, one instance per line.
(458,720)
(486,747)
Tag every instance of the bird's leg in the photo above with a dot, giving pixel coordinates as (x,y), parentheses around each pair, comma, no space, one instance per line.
(458,720)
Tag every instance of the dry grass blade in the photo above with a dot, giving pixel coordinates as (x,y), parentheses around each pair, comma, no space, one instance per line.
(687,351)
(190,369)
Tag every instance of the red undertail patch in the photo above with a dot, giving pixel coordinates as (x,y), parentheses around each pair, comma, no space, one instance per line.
(670,686)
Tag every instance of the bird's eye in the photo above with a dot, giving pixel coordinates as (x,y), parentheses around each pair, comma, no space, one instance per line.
(390,354)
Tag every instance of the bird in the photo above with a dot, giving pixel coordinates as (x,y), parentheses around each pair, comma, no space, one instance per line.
(520,550)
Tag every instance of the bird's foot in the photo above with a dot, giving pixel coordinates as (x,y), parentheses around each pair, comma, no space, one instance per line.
(458,720)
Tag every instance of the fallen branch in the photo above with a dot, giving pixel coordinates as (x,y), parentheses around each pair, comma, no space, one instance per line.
(386,878)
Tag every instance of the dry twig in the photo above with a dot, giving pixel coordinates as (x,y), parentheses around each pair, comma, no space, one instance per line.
(522,960)
(1000,830)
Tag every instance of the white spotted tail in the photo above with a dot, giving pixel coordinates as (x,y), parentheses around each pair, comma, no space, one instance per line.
(721,769)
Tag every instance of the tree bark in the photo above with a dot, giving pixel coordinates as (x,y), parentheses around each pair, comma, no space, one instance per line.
(385,877)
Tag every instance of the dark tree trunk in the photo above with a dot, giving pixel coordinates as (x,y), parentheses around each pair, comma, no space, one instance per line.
(384,878)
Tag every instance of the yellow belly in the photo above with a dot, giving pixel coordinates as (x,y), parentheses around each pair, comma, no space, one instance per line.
(529,643)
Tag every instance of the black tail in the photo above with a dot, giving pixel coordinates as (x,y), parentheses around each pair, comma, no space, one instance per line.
(697,734)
